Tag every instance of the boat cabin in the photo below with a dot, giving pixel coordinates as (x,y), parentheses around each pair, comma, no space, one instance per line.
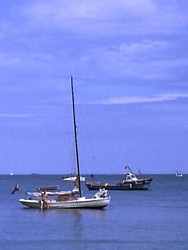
(130,177)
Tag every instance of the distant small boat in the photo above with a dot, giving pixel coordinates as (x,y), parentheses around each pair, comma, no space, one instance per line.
(178,174)
(73,178)
(130,182)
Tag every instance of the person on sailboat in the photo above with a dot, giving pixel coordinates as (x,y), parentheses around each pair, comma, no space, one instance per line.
(43,200)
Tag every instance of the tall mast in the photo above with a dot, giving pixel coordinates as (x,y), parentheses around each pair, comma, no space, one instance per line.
(75,139)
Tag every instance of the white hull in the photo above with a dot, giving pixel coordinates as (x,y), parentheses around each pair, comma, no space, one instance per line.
(73,178)
(82,202)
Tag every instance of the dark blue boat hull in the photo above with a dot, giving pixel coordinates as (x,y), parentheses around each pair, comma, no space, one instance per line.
(133,185)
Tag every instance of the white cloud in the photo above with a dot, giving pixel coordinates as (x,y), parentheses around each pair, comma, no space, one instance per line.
(142,46)
(131,16)
(83,15)
(144,99)
(104,39)
(63,10)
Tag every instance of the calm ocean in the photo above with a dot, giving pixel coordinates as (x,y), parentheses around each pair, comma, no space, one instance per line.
(153,219)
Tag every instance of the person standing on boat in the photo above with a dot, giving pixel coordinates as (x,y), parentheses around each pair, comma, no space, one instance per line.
(43,200)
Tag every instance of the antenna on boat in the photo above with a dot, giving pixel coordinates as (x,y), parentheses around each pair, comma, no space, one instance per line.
(127,167)
(75,139)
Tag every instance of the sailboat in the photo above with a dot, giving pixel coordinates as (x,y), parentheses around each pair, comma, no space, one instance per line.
(71,199)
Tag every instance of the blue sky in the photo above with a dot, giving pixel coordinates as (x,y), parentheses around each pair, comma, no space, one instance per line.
(129,61)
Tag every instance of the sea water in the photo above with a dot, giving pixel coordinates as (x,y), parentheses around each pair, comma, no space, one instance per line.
(153,219)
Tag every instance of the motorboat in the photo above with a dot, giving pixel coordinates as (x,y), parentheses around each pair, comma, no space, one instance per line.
(129,182)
